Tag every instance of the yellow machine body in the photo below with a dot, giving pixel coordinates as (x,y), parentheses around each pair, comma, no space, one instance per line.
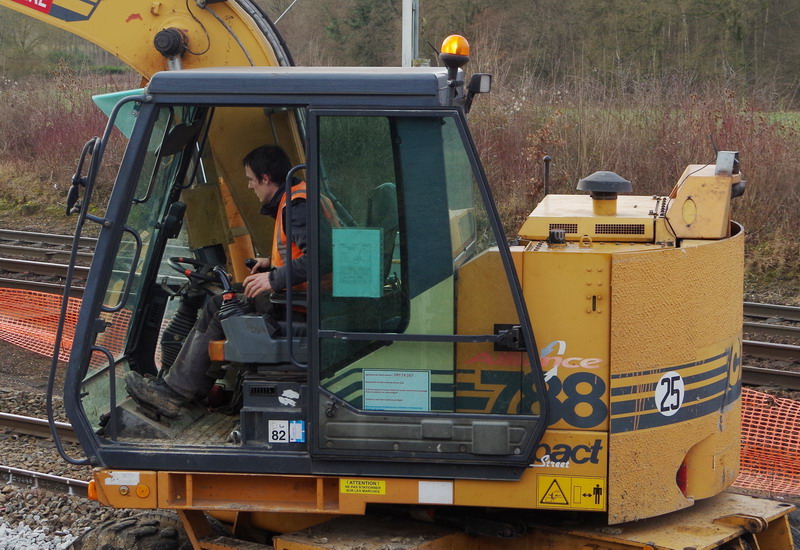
(609,340)
(635,376)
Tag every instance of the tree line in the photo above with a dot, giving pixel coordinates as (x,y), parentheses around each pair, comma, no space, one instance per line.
(753,43)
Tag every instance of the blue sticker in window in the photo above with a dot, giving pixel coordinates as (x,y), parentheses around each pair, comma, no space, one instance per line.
(357,262)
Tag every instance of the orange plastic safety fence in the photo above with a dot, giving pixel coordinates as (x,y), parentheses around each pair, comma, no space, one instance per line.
(770,444)
(770,426)
(30,319)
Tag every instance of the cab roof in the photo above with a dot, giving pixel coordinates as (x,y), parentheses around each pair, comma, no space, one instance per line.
(340,86)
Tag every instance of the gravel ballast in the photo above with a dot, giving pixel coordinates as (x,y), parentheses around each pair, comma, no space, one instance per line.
(31,518)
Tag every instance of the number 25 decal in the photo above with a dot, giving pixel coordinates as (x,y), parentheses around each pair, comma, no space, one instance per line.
(669,393)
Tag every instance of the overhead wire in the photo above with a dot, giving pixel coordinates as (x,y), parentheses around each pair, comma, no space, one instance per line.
(233,35)
(285,11)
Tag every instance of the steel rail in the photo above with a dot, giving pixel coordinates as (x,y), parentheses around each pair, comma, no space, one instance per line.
(757,376)
(770,350)
(40,268)
(30,479)
(768,311)
(38,427)
(770,329)
(45,238)
(40,286)
(37,252)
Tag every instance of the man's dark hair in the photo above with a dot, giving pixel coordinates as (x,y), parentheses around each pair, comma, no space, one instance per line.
(268,160)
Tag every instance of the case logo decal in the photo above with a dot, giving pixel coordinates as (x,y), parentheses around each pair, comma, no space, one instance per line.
(666,395)
(562,455)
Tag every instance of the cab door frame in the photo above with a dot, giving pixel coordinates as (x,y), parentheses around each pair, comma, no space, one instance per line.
(427,457)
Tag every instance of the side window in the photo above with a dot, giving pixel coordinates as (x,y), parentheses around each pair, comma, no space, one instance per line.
(163,163)
(413,256)
(141,211)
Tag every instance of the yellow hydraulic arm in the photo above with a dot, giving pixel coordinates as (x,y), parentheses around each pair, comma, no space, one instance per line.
(214,33)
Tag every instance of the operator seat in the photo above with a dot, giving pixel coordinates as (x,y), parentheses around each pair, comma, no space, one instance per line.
(255,339)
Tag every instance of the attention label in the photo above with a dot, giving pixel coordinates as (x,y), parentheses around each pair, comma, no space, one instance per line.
(362,486)
(585,493)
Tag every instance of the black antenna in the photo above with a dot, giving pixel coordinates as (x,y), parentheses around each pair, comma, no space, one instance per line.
(436,51)
(714,145)
(547,159)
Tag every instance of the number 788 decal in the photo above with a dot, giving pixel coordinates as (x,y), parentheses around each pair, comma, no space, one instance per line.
(669,393)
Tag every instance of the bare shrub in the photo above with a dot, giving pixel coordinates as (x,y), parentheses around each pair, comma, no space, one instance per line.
(647,131)
(44,122)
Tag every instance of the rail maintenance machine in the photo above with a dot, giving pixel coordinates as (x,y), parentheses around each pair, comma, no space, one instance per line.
(577,389)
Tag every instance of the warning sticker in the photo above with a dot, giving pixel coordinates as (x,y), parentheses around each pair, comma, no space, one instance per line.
(585,493)
(362,486)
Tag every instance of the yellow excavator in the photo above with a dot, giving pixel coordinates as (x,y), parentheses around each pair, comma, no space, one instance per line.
(442,388)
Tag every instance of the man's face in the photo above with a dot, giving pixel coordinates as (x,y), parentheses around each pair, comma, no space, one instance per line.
(262,187)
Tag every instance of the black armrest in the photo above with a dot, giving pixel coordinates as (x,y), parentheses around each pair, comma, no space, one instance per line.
(298,298)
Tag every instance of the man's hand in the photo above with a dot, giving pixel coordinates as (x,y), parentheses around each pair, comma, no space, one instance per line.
(262,264)
(256,284)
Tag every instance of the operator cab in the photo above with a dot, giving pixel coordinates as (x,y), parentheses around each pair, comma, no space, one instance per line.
(413,306)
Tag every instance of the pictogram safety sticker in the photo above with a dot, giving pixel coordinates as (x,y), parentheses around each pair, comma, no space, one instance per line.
(585,493)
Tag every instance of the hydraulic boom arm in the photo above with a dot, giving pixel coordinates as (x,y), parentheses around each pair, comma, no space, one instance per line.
(198,34)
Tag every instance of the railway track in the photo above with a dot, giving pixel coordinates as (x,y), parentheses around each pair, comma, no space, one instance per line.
(28,257)
(30,479)
(772,311)
(758,376)
(35,255)
(771,321)
(38,427)
(10,237)
(33,267)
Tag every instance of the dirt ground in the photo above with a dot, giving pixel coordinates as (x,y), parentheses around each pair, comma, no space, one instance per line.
(23,369)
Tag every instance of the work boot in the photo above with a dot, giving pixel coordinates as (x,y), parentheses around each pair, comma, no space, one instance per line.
(155,393)
(188,375)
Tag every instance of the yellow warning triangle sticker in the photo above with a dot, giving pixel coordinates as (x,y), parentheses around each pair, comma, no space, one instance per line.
(554,495)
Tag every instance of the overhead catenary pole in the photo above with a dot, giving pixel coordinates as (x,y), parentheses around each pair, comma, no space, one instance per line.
(410,44)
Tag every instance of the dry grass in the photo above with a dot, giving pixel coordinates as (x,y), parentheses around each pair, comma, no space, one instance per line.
(44,122)
(646,131)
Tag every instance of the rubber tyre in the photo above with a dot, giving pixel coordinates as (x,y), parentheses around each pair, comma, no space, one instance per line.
(794,525)
(150,530)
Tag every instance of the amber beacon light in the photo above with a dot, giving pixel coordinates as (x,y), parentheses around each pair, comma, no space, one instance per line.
(455,44)
(454,54)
